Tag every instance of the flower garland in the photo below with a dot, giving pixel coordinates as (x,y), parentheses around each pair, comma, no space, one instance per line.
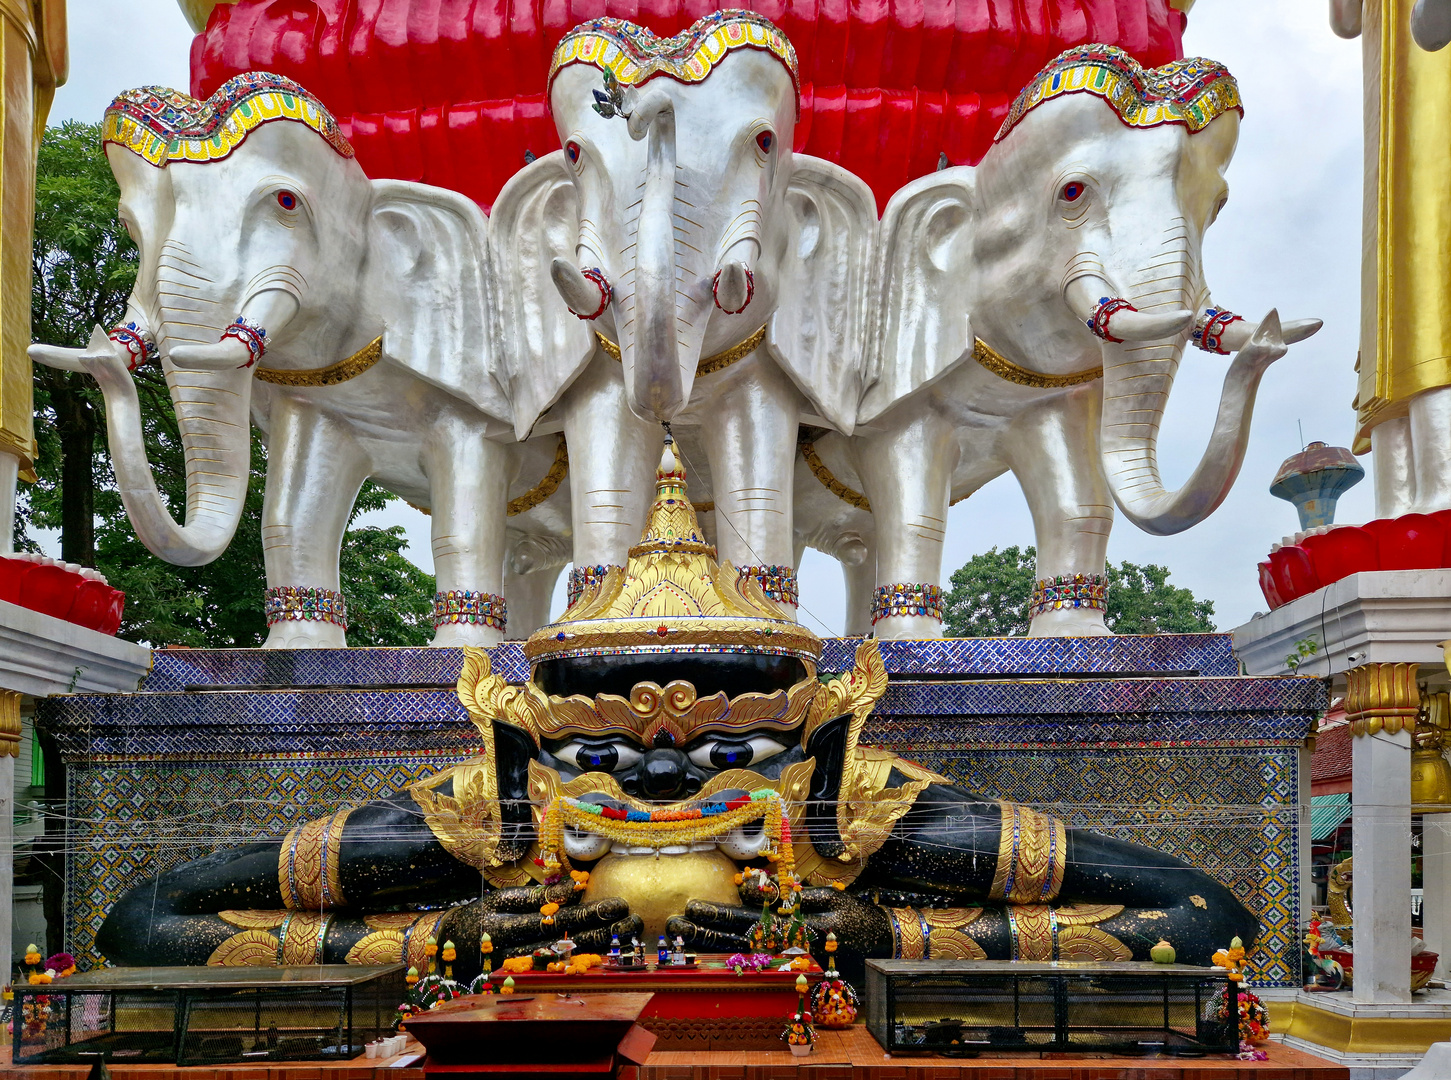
(1253,1017)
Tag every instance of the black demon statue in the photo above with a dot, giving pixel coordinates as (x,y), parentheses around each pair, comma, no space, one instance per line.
(674,761)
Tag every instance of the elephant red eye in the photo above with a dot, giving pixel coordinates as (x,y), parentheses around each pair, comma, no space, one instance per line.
(287,200)
(572,149)
(1072,190)
(765,140)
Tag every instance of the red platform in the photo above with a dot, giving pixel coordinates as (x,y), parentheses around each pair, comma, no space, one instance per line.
(708,1008)
(840,1055)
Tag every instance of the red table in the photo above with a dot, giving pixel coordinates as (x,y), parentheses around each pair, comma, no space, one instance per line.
(708,1008)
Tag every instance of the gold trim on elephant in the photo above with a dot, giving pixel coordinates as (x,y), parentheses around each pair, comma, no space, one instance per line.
(547,486)
(711,364)
(831,483)
(1032,856)
(1003,368)
(947,940)
(307,864)
(416,939)
(332,375)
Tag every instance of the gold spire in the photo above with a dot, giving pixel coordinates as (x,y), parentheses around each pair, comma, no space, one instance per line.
(672,596)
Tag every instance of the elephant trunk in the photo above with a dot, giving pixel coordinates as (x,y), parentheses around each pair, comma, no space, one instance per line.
(212,416)
(658,380)
(1138,374)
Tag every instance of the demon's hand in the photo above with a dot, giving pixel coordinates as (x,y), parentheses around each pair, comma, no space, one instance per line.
(515,924)
(861,928)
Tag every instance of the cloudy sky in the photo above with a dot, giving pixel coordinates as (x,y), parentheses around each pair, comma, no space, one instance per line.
(1289,238)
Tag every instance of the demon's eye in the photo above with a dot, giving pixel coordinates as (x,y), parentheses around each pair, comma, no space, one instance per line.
(287,200)
(572,149)
(765,140)
(728,752)
(1072,190)
(593,756)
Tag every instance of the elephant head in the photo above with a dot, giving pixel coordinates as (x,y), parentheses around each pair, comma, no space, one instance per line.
(694,224)
(1076,244)
(261,240)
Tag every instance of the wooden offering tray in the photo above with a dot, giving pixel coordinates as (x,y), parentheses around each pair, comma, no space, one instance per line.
(542,1035)
(708,1007)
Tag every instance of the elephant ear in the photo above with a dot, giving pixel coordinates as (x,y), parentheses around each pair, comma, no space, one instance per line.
(535,220)
(921,327)
(430,283)
(820,321)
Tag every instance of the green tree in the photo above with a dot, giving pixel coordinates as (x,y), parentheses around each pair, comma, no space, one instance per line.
(990,593)
(84,266)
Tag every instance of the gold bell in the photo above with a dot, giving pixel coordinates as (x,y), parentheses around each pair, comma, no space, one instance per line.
(1430,771)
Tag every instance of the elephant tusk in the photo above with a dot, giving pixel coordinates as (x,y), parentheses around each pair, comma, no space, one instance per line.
(245,341)
(587,292)
(1094,301)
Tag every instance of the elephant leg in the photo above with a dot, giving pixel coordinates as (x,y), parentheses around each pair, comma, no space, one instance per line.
(906,474)
(314,471)
(529,597)
(612,459)
(749,432)
(469,488)
(1431,449)
(1395,467)
(861,582)
(1053,452)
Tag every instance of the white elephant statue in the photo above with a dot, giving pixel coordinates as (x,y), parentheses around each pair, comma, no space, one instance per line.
(706,276)
(348,316)
(1031,314)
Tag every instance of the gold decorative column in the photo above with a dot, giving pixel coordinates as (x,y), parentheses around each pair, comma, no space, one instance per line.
(1405,337)
(9,723)
(1382,697)
(32,65)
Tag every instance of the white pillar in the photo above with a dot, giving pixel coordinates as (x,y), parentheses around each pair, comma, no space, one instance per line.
(9,474)
(1436,882)
(1381,881)
(9,746)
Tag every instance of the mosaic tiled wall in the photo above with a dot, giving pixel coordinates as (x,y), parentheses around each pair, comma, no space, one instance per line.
(223,747)
(1230,811)
(132,820)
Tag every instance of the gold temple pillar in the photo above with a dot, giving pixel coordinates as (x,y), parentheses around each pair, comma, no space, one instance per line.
(32,65)
(1405,336)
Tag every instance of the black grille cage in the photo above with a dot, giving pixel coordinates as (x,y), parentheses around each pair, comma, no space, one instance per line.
(207,1015)
(963,1008)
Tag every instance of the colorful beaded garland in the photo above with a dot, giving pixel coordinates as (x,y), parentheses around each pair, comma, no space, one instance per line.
(581,578)
(1076,591)
(777,582)
(663,827)
(250,334)
(1108,306)
(1209,328)
(468,606)
(907,599)
(139,344)
(595,274)
(298,603)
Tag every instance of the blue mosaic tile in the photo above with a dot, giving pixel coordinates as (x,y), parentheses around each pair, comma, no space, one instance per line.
(187,669)
(1167,654)
(1129,654)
